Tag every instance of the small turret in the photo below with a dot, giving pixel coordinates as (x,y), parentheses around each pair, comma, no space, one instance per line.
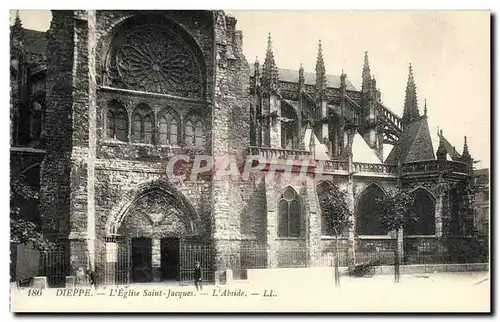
(366,75)
(466,157)
(269,69)
(256,72)
(301,76)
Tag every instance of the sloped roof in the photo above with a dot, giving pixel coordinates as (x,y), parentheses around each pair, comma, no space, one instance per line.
(34,41)
(292,76)
(414,145)
(450,149)
(361,151)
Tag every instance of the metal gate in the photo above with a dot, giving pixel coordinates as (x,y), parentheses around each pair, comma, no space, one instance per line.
(114,265)
(190,254)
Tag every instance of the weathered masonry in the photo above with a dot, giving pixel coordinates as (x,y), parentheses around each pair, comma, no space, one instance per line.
(103,99)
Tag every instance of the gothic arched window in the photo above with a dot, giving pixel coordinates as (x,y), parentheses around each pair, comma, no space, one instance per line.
(142,124)
(367,222)
(116,122)
(198,135)
(188,134)
(289,214)
(168,128)
(288,127)
(121,125)
(324,190)
(424,208)
(194,134)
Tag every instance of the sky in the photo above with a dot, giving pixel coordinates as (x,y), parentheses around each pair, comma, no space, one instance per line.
(449,52)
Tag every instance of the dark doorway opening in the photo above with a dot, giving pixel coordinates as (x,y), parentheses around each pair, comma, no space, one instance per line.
(170,259)
(141,260)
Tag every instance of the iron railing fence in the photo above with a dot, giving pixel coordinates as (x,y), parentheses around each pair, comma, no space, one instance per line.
(117,269)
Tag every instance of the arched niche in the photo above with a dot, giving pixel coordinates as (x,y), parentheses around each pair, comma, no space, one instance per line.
(367,220)
(289,127)
(424,207)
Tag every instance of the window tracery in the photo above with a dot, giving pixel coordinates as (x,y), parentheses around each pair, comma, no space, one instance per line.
(289,214)
(168,128)
(117,122)
(142,124)
(153,58)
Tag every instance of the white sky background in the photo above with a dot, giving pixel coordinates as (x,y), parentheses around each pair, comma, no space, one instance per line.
(449,51)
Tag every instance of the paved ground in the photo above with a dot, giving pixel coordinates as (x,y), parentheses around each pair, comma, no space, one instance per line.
(439,292)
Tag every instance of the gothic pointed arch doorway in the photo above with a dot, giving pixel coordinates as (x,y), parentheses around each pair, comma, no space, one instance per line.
(150,230)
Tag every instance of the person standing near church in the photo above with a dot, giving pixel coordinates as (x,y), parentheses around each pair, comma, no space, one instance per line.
(198,282)
(90,271)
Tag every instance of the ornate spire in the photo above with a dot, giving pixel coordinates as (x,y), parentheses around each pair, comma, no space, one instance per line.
(366,76)
(18,18)
(320,72)
(410,111)
(465,154)
(269,68)
(373,85)
(425,107)
(17,28)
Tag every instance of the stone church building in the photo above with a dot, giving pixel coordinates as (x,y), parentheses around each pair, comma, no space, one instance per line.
(104,99)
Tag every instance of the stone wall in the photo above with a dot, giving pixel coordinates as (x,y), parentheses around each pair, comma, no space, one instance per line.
(230,128)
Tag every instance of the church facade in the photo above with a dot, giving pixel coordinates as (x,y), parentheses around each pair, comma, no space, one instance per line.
(104,99)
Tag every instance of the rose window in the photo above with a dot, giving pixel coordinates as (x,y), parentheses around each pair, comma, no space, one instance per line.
(154,59)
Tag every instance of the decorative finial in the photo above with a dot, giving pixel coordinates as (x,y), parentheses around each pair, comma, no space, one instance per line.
(17,21)
(269,41)
(425,107)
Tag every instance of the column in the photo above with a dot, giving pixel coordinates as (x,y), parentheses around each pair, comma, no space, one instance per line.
(156,260)
(324,125)
(313,226)
(438,215)
(275,123)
